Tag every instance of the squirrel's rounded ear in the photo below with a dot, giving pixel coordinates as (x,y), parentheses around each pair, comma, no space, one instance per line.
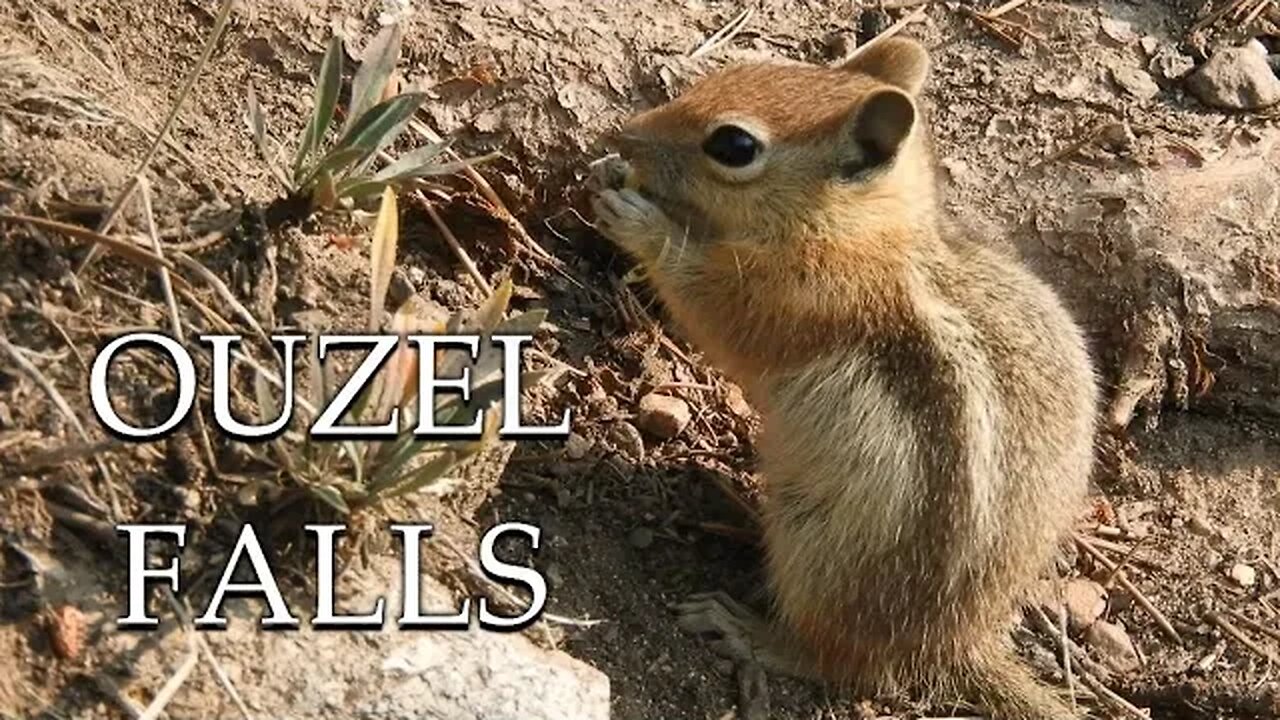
(901,62)
(882,121)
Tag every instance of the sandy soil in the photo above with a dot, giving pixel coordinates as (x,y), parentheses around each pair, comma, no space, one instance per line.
(1188,493)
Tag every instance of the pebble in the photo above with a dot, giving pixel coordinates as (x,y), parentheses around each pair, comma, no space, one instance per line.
(1237,78)
(1244,575)
(1118,30)
(627,439)
(1169,64)
(1136,82)
(640,538)
(663,416)
(576,447)
(1086,600)
(1113,645)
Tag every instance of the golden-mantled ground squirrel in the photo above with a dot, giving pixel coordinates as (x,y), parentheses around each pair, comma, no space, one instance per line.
(928,403)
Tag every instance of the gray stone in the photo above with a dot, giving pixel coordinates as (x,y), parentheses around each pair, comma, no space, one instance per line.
(1113,645)
(1236,79)
(1135,82)
(1169,64)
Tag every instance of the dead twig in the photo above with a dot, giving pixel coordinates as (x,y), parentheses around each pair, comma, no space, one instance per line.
(1110,697)
(1044,621)
(992,26)
(1254,626)
(1084,544)
(1236,634)
(184,616)
(1262,7)
(1065,643)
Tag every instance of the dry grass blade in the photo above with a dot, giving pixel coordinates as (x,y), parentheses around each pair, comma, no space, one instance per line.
(67,453)
(219,25)
(499,207)
(174,683)
(894,29)
(256,120)
(1007,7)
(64,407)
(175,318)
(223,292)
(452,241)
(386,236)
(724,35)
(114,245)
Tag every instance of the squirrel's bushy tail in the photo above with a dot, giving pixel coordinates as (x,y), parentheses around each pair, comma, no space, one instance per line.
(1005,688)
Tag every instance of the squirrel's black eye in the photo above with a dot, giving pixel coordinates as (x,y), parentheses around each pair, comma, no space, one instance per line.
(731,146)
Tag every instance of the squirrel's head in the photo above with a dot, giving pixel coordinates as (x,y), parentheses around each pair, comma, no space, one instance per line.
(753,149)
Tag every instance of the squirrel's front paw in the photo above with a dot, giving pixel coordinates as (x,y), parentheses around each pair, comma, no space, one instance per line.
(631,220)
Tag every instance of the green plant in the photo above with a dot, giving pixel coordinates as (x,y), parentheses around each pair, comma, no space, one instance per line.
(352,476)
(375,116)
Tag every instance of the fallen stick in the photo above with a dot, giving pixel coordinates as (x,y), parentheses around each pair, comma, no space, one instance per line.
(1084,544)
(1236,634)
(1254,626)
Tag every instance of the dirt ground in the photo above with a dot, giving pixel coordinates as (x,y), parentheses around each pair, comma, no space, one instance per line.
(1184,497)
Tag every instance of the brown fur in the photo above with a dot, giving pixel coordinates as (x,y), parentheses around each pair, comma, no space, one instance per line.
(928,403)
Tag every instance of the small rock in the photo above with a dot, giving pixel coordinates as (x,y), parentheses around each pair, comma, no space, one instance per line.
(1243,575)
(1119,31)
(737,402)
(1149,44)
(663,416)
(958,169)
(627,439)
(1113,645)
(1136,82)
(1169,64)
(640,538)
(400,289)
(1256,45)
(1086,600)
(67,632)
(1236,79)
(576,447)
